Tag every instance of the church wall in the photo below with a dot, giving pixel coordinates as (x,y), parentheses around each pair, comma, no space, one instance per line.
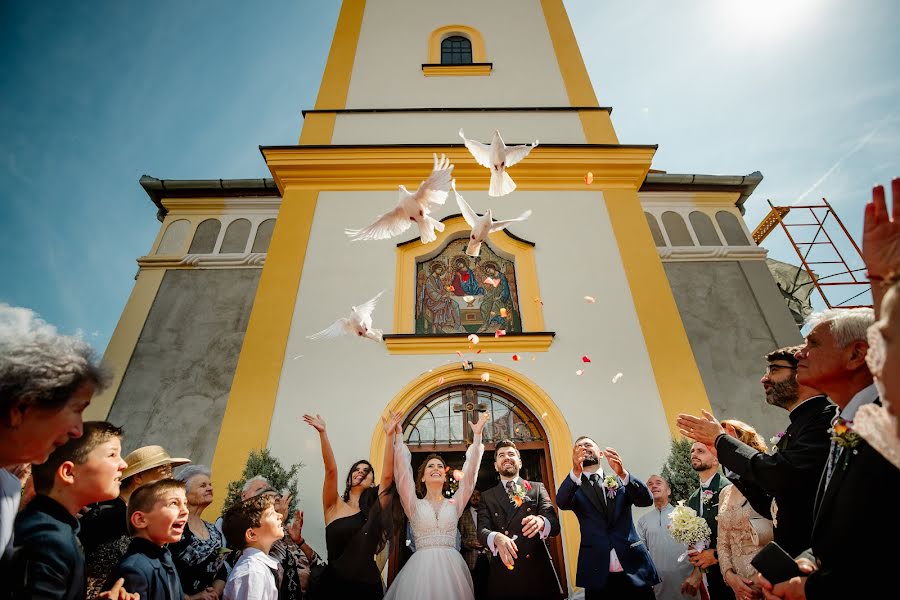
(443,127)
(733,316)
(176,385)
(387,72)
(350,381)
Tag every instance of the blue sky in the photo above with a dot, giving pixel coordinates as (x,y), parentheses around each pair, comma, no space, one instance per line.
(97,94)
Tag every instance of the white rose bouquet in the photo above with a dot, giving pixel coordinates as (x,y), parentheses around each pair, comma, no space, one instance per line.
(689,528)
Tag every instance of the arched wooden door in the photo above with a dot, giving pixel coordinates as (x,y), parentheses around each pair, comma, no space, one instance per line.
(439,423)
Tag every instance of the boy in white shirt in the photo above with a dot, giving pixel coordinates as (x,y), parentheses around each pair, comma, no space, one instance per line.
(253,526)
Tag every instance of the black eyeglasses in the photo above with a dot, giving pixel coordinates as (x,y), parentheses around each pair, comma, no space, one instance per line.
(774,368)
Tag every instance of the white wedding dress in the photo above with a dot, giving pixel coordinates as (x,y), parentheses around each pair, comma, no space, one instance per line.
(437,570)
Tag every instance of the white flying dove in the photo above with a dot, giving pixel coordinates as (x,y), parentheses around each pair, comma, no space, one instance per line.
(483,225)
(359,324)
(498,158)
(412,208)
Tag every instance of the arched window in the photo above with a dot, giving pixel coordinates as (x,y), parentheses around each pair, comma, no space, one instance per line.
(263,236)
(456,50)
(205,237)
(704,230)
(173,239)
(731,229)
(654,231)
(440,419)
(676,229)
(235,240)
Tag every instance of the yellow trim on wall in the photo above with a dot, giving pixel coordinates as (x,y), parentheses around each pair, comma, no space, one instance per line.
(457,70)
(125,338)
(428,344)
(553,421)
(597,125)
(319,127)
(367,168)
(526,275)
(479,55)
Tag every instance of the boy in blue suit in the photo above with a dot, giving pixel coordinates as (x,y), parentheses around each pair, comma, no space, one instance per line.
(612,561)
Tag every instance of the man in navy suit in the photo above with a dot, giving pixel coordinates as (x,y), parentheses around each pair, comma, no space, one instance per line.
(612,561)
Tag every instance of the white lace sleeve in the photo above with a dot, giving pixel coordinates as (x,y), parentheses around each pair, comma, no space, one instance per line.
(403,476)
(470,474)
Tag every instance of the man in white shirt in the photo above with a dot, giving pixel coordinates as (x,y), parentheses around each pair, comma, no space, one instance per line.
(653,527)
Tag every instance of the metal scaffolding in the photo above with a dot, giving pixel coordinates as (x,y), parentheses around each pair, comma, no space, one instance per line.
(817,235)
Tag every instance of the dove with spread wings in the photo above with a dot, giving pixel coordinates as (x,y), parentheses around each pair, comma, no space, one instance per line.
(412,208)
(497,157)
(481,225)
(358,324)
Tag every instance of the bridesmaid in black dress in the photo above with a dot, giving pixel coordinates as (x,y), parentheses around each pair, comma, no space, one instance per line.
(353,532)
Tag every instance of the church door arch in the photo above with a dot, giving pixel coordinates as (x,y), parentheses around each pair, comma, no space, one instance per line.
(439,423)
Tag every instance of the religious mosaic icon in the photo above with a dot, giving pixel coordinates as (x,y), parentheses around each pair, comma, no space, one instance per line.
(453,296)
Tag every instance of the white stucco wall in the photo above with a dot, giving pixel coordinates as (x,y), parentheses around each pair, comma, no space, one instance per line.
(350,381)
(393,45)
(443,127)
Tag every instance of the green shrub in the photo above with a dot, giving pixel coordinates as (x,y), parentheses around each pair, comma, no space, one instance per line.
(261,462)
(678,472)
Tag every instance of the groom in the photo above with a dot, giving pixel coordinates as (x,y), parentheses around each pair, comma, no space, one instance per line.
(514,519)
(613,562)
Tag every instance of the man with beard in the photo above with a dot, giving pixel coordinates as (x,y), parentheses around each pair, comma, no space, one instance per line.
(613,561)
(790,475)
(514,519)
(705,500)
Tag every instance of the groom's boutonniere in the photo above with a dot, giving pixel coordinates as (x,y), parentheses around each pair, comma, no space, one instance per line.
(519,491)
(843,435)
(612,485)
(707,497)
(775,440)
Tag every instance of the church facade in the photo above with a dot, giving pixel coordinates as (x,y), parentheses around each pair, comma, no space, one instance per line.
(211,356)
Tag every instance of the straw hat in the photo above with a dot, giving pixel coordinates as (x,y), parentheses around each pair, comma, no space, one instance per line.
(149,457)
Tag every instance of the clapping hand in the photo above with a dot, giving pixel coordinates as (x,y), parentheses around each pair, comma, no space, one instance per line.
(315,421)
(704,430)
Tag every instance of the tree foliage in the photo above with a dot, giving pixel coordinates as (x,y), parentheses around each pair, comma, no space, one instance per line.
(261,462)
(678,471)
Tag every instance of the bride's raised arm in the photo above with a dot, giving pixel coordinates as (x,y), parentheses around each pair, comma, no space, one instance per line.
(403,475)
(471,466)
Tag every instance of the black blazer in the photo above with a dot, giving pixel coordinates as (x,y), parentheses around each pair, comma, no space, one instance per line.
(606,524)
(148,570)
(47,559)
(855,527)
(790,475)
(533,575)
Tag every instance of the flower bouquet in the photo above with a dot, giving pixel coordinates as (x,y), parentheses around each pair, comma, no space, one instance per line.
(689,529)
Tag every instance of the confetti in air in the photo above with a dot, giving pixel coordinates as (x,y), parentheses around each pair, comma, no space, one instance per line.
(579,372)
(499,333)
(452,500)
(459,353)
(458,475)
(539,301)
(617,378)
(586,358)
(589,178)
(408,542)
(478,351)
(440,380)
(516,357)
(473,338)
(485,377)
(544,416)
(298,356)
(590,299)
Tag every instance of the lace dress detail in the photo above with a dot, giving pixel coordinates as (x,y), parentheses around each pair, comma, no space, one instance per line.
(436,570)
(735,539)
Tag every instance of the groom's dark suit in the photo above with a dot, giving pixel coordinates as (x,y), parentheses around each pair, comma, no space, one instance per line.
(606,524)
(533,576)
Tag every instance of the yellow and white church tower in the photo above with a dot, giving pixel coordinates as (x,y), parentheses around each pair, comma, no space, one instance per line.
(211,357)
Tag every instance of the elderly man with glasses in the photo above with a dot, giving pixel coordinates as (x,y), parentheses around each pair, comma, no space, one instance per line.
(789,477)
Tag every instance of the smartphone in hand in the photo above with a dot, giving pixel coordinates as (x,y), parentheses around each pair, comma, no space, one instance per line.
(775,564)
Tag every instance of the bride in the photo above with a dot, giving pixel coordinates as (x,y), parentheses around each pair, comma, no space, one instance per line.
(436,570)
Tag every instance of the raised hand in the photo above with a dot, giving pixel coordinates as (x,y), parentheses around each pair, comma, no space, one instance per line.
(704,430)
(315,421)
(615,462)
(295,529)
(478,426)
(881,233)
(117,592)
(391,423)
(578,455)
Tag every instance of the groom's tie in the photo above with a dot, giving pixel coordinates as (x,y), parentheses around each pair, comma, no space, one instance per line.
(597,488)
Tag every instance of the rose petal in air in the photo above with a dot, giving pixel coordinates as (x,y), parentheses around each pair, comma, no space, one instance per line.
(588,178)
(499,333)
(478,351)
(617,378)
(590,299)
(452,500)
(586,358)
(440,380)
(485,377)
(579,372)
(459,353)
(516,357)
(473,338)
